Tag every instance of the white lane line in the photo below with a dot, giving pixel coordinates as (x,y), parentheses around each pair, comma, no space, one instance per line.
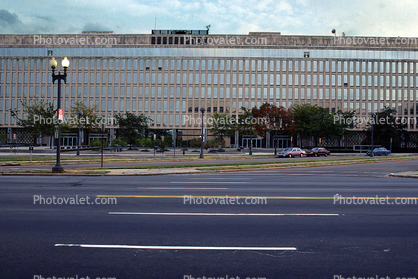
(299,174)
(214,178)
(179,188)
(177,247)
(219,214)
(206,182)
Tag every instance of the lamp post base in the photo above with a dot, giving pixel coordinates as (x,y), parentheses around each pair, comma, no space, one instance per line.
(57,168)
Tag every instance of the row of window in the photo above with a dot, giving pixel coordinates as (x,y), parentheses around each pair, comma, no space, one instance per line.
(218,79)
(19,64)
(226,53)
(190,92)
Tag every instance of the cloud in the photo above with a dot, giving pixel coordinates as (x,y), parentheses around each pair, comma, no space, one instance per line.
(9,22)
(95,27)
(46,18)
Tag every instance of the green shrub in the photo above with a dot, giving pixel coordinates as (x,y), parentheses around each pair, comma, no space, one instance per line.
(119,142)
(215,143)
(98,143)
(145,142)
(194,142)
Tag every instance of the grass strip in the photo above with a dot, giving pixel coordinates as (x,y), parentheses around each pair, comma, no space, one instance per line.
(289,163)
(80,171)
(42,160)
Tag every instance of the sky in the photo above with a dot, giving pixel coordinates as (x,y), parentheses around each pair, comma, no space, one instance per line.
(383,18)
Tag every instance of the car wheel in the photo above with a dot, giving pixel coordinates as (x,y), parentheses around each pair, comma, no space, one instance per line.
(326,155)
(290,155)
(301,155)
(316,154)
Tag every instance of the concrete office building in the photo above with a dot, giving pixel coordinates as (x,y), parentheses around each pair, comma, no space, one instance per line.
(170,74)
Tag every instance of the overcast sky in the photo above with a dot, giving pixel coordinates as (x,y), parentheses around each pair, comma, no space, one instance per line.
(299,17)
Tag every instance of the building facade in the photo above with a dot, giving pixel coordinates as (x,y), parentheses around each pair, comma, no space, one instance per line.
(169,75)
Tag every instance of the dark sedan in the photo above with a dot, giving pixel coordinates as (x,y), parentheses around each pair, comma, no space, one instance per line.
(318,151)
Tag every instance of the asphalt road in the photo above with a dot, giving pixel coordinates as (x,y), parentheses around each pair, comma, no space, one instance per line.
(342,240)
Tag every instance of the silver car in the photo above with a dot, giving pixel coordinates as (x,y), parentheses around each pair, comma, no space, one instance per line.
(291,152)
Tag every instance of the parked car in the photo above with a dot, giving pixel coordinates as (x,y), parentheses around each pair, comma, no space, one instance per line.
(318,151)
(291,152)
(381,151)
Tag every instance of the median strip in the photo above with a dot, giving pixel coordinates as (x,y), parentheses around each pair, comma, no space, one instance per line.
(220,214)
(177,247)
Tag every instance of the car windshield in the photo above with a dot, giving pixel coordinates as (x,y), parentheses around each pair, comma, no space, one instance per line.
(315,149)
(288,149)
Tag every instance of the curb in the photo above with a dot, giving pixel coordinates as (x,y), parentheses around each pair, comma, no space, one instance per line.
(403,175)
(92,174)
(49,174)
(150,174)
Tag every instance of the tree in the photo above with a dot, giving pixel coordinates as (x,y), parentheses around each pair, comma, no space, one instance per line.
(131,126)
(348,121)
(222,125)
(242,123)
(89,120)
(387,126)
(273,118)
(39,118)
(316,122)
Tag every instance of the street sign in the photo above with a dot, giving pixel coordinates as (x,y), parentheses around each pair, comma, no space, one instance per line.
(60,115)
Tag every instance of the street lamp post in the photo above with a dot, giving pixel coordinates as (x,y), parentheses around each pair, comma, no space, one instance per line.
(251,135)
(275,143)
(201,142)
(53,64)
(79,113)
(371,150)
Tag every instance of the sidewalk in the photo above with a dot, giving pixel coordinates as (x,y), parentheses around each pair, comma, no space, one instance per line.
(407,174)
(143,172)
